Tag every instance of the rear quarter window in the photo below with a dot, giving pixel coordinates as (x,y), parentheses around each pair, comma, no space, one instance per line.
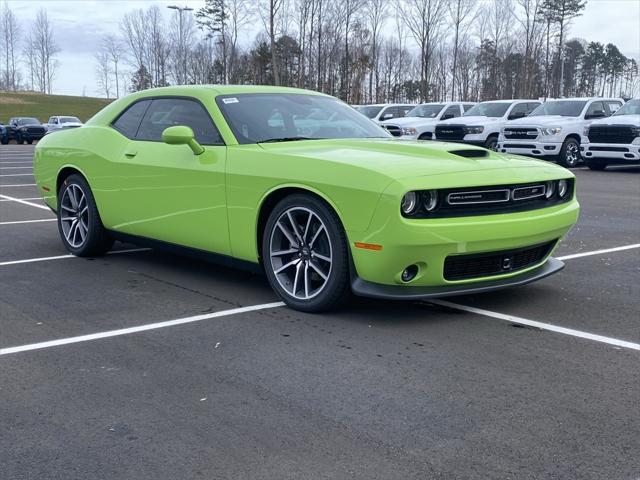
(129,120)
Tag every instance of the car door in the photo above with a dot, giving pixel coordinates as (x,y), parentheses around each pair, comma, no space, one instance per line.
(452,111)
(166,192)
(519,110)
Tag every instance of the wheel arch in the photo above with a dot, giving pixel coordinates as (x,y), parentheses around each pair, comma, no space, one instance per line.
(271,199)
(575,136)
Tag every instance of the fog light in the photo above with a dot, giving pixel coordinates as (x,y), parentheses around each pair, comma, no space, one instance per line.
(409,273)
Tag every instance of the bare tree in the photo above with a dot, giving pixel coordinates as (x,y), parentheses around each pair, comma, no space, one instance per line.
(45,49)
(461,15)
(103,72)
(10,32)
(115,51)
(375,12)
(270,11)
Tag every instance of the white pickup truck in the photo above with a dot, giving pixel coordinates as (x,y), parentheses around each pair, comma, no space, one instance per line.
(60,122)
(554,130)
(421,121)
(614,140)
(481,124)
(384,111)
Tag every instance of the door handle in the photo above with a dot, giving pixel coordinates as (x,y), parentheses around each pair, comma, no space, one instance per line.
(130,153)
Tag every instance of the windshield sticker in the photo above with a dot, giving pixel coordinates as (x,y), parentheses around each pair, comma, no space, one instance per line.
(230,100)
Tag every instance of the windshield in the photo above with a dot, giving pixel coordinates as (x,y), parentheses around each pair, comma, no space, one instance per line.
(425,111)
(565,108)
(370,110)
(28,121)
(488,109)
(69,120)
(632,107)
(269,117)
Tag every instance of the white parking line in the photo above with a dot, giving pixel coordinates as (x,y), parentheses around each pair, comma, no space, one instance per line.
(140,328)
(16,168)
(29,221)
(30,198)
(599,252)
(24,202)
(543,326)
(68,255)
(19,185)
(17,175)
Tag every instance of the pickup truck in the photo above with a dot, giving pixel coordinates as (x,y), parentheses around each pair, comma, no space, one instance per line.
(554,130)
(420,122)
(481,124)
(60,122)
(384,111)
(25,129)
(614,140)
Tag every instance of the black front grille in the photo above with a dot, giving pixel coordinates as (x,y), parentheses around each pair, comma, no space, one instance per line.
(613,133)
(450,132)
(519,145)
(521,133)
(608,149)
(35,130)
(393,130)
(463,267)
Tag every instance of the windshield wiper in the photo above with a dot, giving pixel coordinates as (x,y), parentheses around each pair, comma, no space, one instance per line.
(287,139)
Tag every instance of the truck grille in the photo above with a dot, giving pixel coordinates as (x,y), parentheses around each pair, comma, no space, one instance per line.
(393,130)
(35,130)
(613,133)
(450,132)
(463,267)
(520,133)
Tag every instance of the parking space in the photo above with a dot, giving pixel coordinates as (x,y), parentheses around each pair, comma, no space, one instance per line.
(157,368)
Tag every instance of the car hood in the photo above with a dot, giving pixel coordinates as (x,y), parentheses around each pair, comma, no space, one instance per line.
(410,121)
(618,120)
(398,159)
(474,120)
(71,125)
(544,120)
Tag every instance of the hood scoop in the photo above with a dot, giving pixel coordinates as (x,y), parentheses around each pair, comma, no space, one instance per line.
(470,153)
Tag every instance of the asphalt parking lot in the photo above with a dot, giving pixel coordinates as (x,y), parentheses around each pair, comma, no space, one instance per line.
(140,364)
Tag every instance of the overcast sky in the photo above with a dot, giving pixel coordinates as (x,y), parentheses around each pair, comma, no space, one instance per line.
(79,26)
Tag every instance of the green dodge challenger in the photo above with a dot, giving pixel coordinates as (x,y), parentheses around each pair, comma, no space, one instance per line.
(303,186)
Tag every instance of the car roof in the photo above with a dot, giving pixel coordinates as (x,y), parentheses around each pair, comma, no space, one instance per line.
(227,90)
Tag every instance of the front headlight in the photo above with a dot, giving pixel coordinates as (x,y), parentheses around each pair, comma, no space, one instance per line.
(430,200)
(549,189)
(563,188)
(551,130)
(409,203)
(474,130)
(409,131)
(585,131)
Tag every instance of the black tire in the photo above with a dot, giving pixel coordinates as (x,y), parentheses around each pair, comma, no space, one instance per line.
(570,153)
(491,143)
(335,287)
(19,140)
(426,136)
(595,163)
(30,141)
(4,141)
(96,239)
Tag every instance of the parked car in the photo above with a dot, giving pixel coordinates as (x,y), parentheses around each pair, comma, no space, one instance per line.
(225,171)
(381,112)
(60,122)
(4,135)
(481,124)
(25,129)
(420,122)
(554,130)
(614,140)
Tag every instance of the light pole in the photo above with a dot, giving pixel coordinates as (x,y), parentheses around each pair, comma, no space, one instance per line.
(182,60)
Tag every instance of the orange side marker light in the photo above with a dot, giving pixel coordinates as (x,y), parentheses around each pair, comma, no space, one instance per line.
(368,246)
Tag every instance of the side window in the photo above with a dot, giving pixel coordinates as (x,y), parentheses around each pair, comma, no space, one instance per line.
(520,110)
(451,112)
(595,110)
(467,106)
(389,112)
(129,121)
(168,112)
(404,110)
(532,106)
(612,107)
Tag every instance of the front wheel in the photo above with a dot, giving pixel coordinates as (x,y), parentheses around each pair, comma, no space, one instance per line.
(570,153)
(79,223)
(305,254)
(491,143)
(30,141)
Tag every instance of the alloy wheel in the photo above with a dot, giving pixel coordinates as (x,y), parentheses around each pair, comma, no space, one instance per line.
(572,154)
(300,253)
(74,215)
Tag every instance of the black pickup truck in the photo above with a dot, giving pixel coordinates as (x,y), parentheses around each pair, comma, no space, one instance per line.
(25,129)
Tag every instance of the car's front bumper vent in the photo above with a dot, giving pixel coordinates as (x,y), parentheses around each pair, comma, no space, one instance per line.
(464,267)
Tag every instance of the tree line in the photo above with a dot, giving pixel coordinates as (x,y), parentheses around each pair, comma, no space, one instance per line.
(363,51)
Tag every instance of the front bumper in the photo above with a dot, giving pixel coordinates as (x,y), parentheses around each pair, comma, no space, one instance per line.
(374,290)
(618,152)
(529,147)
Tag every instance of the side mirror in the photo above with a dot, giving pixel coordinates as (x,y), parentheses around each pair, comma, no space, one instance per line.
(182,135)
(595,114)
(515,115)
(387,116)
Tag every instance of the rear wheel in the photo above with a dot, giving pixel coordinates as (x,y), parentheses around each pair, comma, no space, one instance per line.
(79,223)
(305,254)
(595,163)
(570,153)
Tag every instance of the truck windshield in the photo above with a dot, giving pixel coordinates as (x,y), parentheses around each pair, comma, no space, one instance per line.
(425,111)
(370,111)
(488,109)
(69,120)
(285,117)
(564,108)
(28,121)
(632,107)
